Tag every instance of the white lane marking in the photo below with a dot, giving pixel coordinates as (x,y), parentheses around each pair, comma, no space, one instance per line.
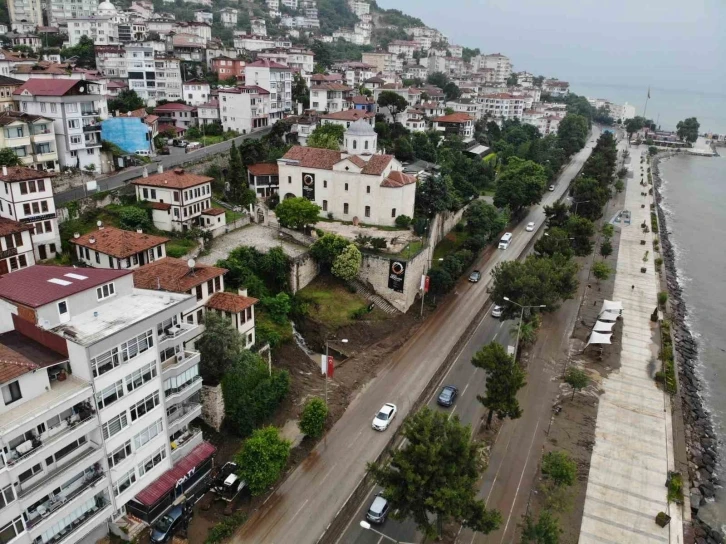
(451,414)
(299,510)
(327,474)
(494,481)
(380,540)
(465,388)
(521,477)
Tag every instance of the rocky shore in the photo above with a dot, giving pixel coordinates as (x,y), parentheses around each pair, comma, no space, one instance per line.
(700,437)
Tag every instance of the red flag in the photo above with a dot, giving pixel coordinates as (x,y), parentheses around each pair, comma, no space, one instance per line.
(331,367)
(426,284)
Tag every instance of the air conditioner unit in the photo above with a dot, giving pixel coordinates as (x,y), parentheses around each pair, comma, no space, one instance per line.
(180,358)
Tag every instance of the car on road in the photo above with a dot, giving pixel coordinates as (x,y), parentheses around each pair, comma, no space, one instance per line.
(165,528)
(447,396)
(475,276)
(496,311)
(530,226)
(384,417)
(378,510)
(552,187)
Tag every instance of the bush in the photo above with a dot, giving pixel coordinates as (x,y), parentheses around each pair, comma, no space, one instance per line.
(278,307)
(262,459)
(379,243)
(475,243)
(459,227)
(359,313)
(662,298)
(559,468)
(312,419)
(658,261)
(132,218)
(453,265)
(225,528)
(403,221)
(440,281)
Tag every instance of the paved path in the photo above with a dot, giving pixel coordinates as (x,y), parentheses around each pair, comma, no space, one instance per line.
(633,436)
(308,500)
(262,238)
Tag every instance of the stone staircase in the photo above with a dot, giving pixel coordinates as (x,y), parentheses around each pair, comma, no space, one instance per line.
(370,296)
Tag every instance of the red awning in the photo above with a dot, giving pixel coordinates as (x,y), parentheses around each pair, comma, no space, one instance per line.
(168,481)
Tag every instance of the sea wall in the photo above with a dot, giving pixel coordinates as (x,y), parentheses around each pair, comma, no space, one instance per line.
(700,436)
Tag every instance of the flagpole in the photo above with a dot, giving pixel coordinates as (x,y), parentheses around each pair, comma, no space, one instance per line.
(646,103)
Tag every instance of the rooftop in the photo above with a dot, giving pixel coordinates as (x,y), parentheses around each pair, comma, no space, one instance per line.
(325,159)
(175,179)
(38,285)
(48,87)
(230,302)
(266,63)
(103,321)
(173,106)
(348,115)
(117,242)
(397,179)
(20,354)
(263,169)
(22,173)
(174,275)
(454,118)
(8,226)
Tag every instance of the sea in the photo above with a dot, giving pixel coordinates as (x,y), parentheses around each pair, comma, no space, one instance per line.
(694,201)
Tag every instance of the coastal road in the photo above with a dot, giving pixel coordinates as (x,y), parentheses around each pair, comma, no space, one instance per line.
(304,505)
(167,161)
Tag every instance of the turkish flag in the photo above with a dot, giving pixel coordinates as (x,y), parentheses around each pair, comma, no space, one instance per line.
(427,282)
(331,367)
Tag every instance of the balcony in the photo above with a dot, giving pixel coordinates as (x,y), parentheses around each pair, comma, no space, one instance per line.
(180,332)
(43,157)
(184,414)
(178,394)
(83,524)
(43,136)
(178,363)
(89,113)
(185,443)
(92,128)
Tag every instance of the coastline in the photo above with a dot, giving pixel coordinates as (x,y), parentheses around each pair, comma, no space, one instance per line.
(701,442)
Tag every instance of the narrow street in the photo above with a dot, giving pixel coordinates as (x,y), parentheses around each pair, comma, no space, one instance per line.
(305,504)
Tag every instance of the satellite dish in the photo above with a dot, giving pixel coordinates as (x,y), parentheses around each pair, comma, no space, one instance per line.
(191,263)
(99,223)
(81,88)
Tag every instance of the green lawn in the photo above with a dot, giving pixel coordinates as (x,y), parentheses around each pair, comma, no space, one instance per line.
(232,216)
(331,303)
(450,244)
(410,250)
(178,247)
(210,140)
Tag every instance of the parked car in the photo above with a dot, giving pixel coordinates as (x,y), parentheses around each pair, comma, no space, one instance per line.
(378,510)
(447,396)
(165,528)
(530,226)
(384,417)
(496,311)
(475,276)
(552,187)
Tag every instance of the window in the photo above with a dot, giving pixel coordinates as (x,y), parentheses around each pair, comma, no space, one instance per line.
(119,454)
(98,257)
(104,291)
(26,209)
(105,362)
(346,186)
(178,383)
(199,292)
(144,406)
(15,527)
(137,345)
(110,394)
(23,188)
(345,208)
(123,483)
(146,193)
(217,283)
(393,212)
(365,144)
(147,434)
(325,205)
(325,184)
(11,392)
(368,189)
(289,179)
(141,376)
(115,425)
(6,496)
(152,460)
(368,211)
(74,123)
(48,226)
(32,471)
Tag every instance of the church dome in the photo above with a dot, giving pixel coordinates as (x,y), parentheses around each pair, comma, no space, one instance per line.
(106,7)
(360,128)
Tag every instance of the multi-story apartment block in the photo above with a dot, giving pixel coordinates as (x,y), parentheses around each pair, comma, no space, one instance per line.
(525,80)
(455,124)
(151,75)
(208,113)
(200,30)
(501,65)
(204,16)
(346,118)
(179,115)
(466,105)
(31,137)
(61,10)
(275,78)
(226,67)
(502,106)
(292,4)
(109,247)
(359,7)
(168,77)
(103,30)
(16,246)
(30,11)
(388,63)
(403,47)
(355,73)
(7,88)
(133,31)
(27,197)
(178,198)
(75,107)
(189,47)
(244,109)
(330,97)
(556,87)
(196,92)
(546,122)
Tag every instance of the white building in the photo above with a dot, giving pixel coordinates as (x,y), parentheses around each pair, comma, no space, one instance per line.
(525,80)
(556,87)
(204,16)
(244,109)
(208,113)
(228,17)
(546,122)
(25,10)
(61,10)
(109,247)
(74,105)
(330,97)
(352,184)
(258,27)
(28,198)
(196,92)
(502,106)
(501,65)
(346,118)
(387,63)
(103,30)
(275,78)
(455,124)
(16,241)
(402,47)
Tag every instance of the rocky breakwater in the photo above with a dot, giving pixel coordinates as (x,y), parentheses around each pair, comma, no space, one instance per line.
(700,437)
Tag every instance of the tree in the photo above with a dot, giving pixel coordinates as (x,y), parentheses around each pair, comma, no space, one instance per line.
(300,91)
(440,280)
(512,80)
(403,150)
(393,101)
(504,379)
(484,219)
(437,79)
(577,379)
(327,136)
(8,157)
(127,100)
(521,183)
(580,229)
(607,230)
(326,249)
(633,125)
(559,468)
(297,212)
(278,307)
(433,478)
(601,271)
(555,240)
(84,51)
(312,419)
(687,130)
(132,218)
(219,346)
(347,264)
(451,91)
(606,248)
(556,215)
(545,531)
(262,459)
(236,175)
(436,194)
(572,133)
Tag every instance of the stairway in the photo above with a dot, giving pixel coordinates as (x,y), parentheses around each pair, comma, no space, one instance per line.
(378,300)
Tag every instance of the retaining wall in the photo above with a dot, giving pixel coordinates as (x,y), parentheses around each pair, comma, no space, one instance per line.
(213,406)
(303,270)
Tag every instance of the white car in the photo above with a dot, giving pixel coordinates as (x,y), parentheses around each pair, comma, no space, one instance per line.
(384,417)
(530,226)
(552,187)
(496,311)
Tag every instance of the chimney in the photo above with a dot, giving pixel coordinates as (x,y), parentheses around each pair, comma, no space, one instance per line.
(242,291)
(145,172)
(5,170)
(159,169)
(139,231)
(179,171)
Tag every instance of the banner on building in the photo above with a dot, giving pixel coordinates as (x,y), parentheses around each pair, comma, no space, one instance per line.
(308,186)
(396,275)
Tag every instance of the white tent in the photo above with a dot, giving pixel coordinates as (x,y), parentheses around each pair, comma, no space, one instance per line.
(609,305)
(602,326)
(609,315)
(599,338)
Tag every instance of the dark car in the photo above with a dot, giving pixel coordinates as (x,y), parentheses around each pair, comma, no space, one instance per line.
(167,525)
(378,510)
(475,276)
(447,395)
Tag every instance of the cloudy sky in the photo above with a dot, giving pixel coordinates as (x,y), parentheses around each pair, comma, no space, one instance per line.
(670,44)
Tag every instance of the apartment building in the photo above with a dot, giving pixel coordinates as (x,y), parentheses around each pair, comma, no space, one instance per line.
(31,137)
(204,16)
(30,11)
(27,196)
(355,73)
(346,118)
(275,78)
(501,65)
(177,198)
(466,105)
(403,47)
(226,67)
(75,107)
(16,246)
(556,87)
(244,109)
(109,247)
(546,122)
(179,115)
(455,124)
(359,7)
(330,97)
(196,92)
(7,88)
(60,11)
(103,30)
(388,63)
(208,113)
(229,17)
(503,106)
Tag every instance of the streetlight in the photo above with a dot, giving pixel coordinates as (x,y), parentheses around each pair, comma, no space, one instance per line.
(365,525)
(559,237)
(521,318)
(327,367)
(423,286)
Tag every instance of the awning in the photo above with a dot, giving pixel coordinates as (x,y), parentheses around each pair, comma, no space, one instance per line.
(169,480)
(610,305)
(599,338)
(602,326)
(478,150)
(609,315)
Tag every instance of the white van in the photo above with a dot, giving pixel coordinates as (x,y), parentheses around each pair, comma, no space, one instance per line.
(505,241)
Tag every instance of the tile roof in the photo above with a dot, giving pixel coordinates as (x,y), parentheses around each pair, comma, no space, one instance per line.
(171,274)
(266,63)
(454,118)
(173,106)
(176,179)
(10,116)
(363,100)
(230,302)
(213,211)
(165,206)
(501,95)
(13,364)
(374,79)
(117,242)
(5,80)
(325,159)
(264,169)
(331,87)
(348,115)
(377,164)
(8,226)
(21,173)
(33,287)
(398,179)
(47,87)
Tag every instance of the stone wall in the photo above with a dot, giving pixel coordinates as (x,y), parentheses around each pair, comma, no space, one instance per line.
(442,225)
(213,406)
(374,273)
(99,200)
(303,270)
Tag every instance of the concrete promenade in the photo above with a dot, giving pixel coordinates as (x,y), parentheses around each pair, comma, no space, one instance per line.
(633,449)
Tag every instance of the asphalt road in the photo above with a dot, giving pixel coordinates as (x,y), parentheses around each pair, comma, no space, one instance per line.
(306,503)
(168,161)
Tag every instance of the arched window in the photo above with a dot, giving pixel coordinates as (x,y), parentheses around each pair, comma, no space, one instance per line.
(355,144)
(366,144)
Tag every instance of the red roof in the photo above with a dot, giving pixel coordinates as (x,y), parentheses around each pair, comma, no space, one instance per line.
(157,490)
(266,63)
(172,106)
(47,87)
(348,115)
(264,169)
(22,173)
(230,302)
(213,211)
(118,242)
(325,159)
(174,179)
(33,287)
(454,118)
(398,179)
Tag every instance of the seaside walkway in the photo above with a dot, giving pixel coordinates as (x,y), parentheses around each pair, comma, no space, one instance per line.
(633,449)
